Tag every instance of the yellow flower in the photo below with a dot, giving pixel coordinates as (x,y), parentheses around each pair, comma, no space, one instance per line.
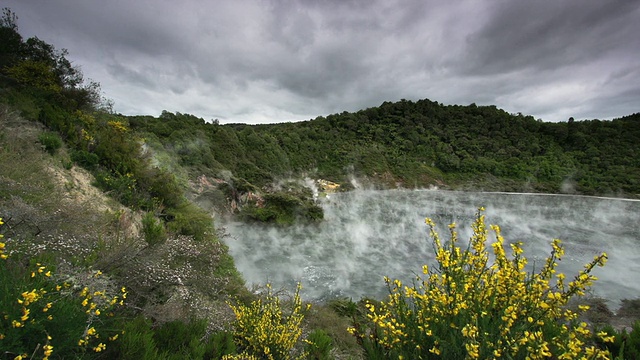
(469,285)
(48,350)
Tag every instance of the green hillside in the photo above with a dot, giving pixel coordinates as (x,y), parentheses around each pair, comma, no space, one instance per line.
(417,144)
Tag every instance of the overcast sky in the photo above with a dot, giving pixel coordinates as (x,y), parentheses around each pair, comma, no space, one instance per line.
(258,61)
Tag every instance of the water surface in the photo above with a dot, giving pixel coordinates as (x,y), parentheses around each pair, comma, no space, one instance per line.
(368,234)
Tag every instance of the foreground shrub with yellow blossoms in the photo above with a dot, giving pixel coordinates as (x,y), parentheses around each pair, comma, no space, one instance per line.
(470,308)
(263,329)
(41,317)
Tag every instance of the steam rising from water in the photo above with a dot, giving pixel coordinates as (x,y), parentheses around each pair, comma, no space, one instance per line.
(369,234)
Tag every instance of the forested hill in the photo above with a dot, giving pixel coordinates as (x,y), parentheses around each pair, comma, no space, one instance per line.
(397,144)
(416,144)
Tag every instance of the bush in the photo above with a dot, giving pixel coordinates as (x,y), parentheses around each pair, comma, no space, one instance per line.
(625,346)
(468,307)
(137,342)
(50,141)
(190,340)
(188,219)
(153,229)
(264,330)
(284,209)
(319,345)
(161,186)
(42,316)
(333,318)
(87,160)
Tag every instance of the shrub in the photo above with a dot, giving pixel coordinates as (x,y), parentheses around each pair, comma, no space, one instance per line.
(161,186)
(190,340)
(42,317)
(188,219)
(87,160)
(625,346)
(264,330)
(153,229)
(121,187)
(333,318)
(470,308)
(319,345)
(284,209)
(137,341)
(50,141)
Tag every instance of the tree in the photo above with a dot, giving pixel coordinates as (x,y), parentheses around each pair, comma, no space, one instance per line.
(37,50)
(10,39)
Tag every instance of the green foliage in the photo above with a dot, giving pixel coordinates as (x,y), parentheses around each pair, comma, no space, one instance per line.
(625,346)
(333,318)
(10,40)
(161,186)
(265,329)
(50,141)
(474,308)
(87,160)
(185,340)
(414,144)
(121,187)
(153,229)
(319,345)
(188,219)
(34,74)
(42,316)
(137,342)
(283,208)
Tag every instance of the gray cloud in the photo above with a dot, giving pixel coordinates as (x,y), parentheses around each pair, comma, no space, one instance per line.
(272,61)
(551,35)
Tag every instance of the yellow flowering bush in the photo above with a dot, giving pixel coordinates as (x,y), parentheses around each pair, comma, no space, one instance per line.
(118,126)
(469,307)
(262,329)
(40,317)
(3,256)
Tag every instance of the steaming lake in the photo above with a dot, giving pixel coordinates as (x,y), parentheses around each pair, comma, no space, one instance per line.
(369,234)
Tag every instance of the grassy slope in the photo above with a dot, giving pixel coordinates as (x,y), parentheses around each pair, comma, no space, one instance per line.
(51,208)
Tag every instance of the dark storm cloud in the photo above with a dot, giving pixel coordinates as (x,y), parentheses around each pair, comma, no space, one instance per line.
(270,60)
(551,34)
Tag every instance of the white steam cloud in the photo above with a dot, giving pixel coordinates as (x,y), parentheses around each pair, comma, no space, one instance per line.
(369,234)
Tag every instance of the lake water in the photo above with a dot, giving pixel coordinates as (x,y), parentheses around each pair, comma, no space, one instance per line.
(369,234)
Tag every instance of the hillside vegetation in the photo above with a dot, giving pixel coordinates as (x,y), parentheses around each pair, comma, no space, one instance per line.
(416,144)
(107,221)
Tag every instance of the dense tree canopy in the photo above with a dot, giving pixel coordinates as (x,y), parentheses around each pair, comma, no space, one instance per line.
(418,144)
